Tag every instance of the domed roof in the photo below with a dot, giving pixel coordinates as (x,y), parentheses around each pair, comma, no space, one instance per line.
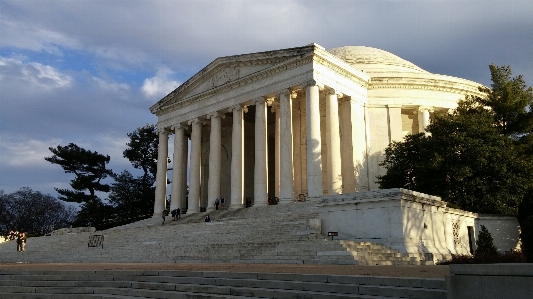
(374,60)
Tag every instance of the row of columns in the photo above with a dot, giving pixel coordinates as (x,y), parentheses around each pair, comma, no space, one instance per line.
(284,154)
(284,171)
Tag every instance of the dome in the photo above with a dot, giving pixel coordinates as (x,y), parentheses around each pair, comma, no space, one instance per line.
(374,60)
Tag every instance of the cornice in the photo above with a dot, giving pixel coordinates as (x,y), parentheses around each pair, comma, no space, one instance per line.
(323,60)
(436,84)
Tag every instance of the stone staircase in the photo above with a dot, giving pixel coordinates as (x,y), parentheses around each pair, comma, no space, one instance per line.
(268,234)
(190,284)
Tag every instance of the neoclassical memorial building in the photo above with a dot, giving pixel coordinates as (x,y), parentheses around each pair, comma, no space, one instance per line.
(293,121)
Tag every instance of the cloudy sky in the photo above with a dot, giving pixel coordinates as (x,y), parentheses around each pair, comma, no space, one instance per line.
(87,71)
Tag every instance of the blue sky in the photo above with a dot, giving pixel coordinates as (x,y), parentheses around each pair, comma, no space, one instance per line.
(88,71)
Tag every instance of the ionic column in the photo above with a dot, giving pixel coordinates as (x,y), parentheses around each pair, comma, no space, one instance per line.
(275,109)
(334,145)
(195,178)
(314,143)
(286,175)
(215,147)
(423,118)
(185,169)
(161,175)
(237,157)
(395,122)
(177,192)
(260,166)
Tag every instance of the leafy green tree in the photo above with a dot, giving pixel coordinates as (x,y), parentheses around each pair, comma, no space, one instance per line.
(135,196)
(485,244)
(33,212)
(510,99)
(142,150)
(477,157)
(89,169)
(127,196)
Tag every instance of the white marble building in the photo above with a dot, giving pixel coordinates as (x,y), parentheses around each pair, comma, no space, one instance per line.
(294,121)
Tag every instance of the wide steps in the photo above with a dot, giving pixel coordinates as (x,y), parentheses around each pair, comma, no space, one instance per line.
(193,284)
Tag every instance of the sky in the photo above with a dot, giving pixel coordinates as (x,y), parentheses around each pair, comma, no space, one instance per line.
(87,72)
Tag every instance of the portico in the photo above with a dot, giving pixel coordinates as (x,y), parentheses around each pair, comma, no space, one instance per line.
(295,121)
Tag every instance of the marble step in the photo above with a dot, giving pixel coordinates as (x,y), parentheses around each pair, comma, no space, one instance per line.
(167,284)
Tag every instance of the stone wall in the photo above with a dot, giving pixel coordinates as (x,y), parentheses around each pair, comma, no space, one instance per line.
(411,222)
(494,281)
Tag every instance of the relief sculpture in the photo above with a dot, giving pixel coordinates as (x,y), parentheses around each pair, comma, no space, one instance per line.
(225,76)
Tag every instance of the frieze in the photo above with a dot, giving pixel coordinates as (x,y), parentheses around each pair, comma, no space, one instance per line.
(246,97)
(459,90)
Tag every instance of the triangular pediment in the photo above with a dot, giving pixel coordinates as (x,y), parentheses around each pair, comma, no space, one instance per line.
(228,69)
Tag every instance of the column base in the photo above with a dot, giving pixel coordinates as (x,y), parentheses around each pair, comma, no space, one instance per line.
(285,200)
(314,199)
(236,207)
(192,211)
(260,204)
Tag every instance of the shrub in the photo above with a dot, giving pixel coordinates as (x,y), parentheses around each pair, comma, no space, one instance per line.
(508,257)
(485,244)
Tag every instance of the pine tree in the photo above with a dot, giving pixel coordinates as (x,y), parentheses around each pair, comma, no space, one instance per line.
(485,244)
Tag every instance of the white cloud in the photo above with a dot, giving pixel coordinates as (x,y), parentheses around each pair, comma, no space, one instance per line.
(159,85)
(37,75)
(25,152)
(111,87)
(33,36)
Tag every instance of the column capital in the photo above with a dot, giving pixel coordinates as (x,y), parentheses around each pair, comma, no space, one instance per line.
(215,114)
(311,83)
(290,92)
(237,107)
(179,126)
(195,121)
(275,107)
(425,108)
(163,130)
(333,91)
(261,100)
(345,99)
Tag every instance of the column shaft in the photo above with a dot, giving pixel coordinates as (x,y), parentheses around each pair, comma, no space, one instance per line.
(237,159)
(215,147)
(286,176)
(161,175)
(196,155)
(177,191)
(334,152)
(260,166)
(277,154)
(423,119)
(185,169)
(314,144)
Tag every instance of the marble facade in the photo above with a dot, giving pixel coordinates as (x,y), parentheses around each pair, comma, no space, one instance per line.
(294,121)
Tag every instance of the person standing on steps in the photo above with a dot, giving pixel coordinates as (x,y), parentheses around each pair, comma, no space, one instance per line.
(217,202)
(173,213)
(222,203)
(165,213)
(178,213)
(21,241)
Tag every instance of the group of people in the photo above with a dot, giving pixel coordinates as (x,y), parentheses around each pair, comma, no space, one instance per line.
(19,236)
(176,214)
(220,201)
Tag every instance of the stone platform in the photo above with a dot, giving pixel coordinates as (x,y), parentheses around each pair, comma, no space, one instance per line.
(286,234)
